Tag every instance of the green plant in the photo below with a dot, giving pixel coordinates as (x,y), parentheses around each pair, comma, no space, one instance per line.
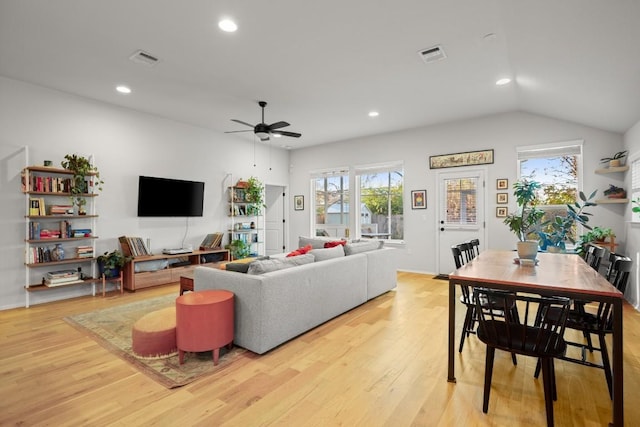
(613,190)
(637,207)
(526,220)
(110,263)
(558,230)
(254,194)
(619,155)
(239,249)
(81,168)
(593,235)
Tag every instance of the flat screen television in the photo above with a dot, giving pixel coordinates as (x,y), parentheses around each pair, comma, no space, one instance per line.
(169,197)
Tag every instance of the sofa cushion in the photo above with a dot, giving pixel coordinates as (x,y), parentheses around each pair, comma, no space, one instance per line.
(328,253)
(274,264)
(300,251)
(239,267)
(359,247)
(315,242)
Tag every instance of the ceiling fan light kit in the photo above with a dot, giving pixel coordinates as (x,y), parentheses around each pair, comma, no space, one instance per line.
(263,130)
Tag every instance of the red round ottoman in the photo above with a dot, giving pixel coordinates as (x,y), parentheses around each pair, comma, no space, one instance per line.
(154,334)
(204,321)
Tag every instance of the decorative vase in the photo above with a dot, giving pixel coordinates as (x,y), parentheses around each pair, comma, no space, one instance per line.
(109,272)
(528,249)
(57,253)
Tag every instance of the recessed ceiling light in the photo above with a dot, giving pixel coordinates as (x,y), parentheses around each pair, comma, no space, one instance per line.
(227,25)
(123,89)
(373,114)
(503,82)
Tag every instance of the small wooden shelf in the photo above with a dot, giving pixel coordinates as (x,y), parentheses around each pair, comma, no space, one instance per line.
(611,201)
(65,239)
(55,217)
(55,193)
(49,169)
(64,261)
(613,170)
(39,287)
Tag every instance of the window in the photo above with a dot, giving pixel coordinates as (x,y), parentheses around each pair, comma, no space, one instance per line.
(461,196)
(558,168)
(635,190)
(381,201)
(331,203)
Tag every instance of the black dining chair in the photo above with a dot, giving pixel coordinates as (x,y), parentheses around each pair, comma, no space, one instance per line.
(593,255)
(532,334)
(599,321)
(475,247)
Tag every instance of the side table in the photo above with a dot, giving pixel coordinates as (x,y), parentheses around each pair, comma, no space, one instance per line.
(204,321)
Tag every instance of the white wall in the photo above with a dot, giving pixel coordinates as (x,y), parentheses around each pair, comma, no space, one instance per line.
(632,143)
(502,132)
(125,144)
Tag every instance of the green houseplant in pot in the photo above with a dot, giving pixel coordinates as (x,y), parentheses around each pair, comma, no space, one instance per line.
(238,249)
(555,233)
(81,168)
(526,220)
(110,263)
(254,194)
(616,160)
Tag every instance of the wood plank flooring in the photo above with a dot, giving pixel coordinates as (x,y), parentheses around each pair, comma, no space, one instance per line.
(381,364)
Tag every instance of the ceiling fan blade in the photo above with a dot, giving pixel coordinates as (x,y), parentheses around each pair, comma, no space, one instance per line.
(285,133)
(278,125)
(241,122)
(236,131)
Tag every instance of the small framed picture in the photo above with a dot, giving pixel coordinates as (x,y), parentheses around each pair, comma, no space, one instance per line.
(501,212)
(419,199)
(502,184)
(298,203)
(502,198)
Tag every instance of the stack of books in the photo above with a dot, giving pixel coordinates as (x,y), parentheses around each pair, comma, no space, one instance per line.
(133,246)
(61,210)
(80,232)
(211,241)
(49,234)
(62,277)
(84,251)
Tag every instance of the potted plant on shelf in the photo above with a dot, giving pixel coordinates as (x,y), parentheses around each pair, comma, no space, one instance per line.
(526,220)
(110,263)
(614,192)
(81,168)
(555,233)
(254,194)
(596,235)
(238,249)
(616,160)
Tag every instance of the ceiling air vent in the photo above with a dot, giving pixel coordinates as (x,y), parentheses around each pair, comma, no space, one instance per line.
(142,57)
(432,54)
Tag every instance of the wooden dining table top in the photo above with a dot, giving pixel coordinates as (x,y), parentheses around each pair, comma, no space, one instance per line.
(564,273)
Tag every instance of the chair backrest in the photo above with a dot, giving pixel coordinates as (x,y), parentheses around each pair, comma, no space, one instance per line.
(594,255)
(467,250)
(538,331)
(475,247)
(457,256)
(618,272)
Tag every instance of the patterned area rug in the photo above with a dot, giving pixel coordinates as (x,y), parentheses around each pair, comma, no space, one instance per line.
(111,328)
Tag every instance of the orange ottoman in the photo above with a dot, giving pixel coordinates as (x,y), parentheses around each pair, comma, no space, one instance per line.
(154,334)
(204,321)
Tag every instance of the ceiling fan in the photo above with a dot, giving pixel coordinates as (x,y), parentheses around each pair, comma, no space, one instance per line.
(263,130)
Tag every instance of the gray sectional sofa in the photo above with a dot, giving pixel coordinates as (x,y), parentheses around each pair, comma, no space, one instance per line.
(276,306)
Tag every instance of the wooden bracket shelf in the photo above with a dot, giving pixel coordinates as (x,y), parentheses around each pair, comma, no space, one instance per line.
(611,201)
(612,170)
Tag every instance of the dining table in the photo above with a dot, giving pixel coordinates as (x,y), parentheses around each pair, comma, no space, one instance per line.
(552,274)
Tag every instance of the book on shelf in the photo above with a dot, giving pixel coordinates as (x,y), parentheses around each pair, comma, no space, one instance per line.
(61,210)
(62,277)
(69,282)
(80,232)
(84,251)
(133,246)
(211,241)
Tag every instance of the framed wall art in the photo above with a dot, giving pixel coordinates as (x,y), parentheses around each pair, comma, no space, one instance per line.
(502,198)
(501,212)
(419,199)
(502,184)
(298,203)
(468,158)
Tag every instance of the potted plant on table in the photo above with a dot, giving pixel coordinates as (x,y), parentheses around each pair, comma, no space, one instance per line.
(614,192)
(81,168)
(616,160)
(110,263)
(526,220)
(555,233)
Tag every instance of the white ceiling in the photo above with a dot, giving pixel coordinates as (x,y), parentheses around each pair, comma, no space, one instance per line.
(323,65)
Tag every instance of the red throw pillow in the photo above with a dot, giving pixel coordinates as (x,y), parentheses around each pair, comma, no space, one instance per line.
(335,243)
(300,251)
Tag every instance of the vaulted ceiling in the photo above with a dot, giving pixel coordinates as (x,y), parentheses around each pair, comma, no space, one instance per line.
(323,65)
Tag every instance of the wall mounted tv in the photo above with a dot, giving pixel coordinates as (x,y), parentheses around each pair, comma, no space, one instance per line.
(169,197)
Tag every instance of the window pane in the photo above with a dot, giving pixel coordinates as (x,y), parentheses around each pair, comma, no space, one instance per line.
(460,197)
(331,204)
(381,209)
(558,176)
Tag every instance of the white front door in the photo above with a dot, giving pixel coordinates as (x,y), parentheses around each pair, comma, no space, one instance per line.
(461,210)
(274,220)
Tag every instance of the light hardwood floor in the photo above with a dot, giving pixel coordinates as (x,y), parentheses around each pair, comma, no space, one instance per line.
(381,364)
